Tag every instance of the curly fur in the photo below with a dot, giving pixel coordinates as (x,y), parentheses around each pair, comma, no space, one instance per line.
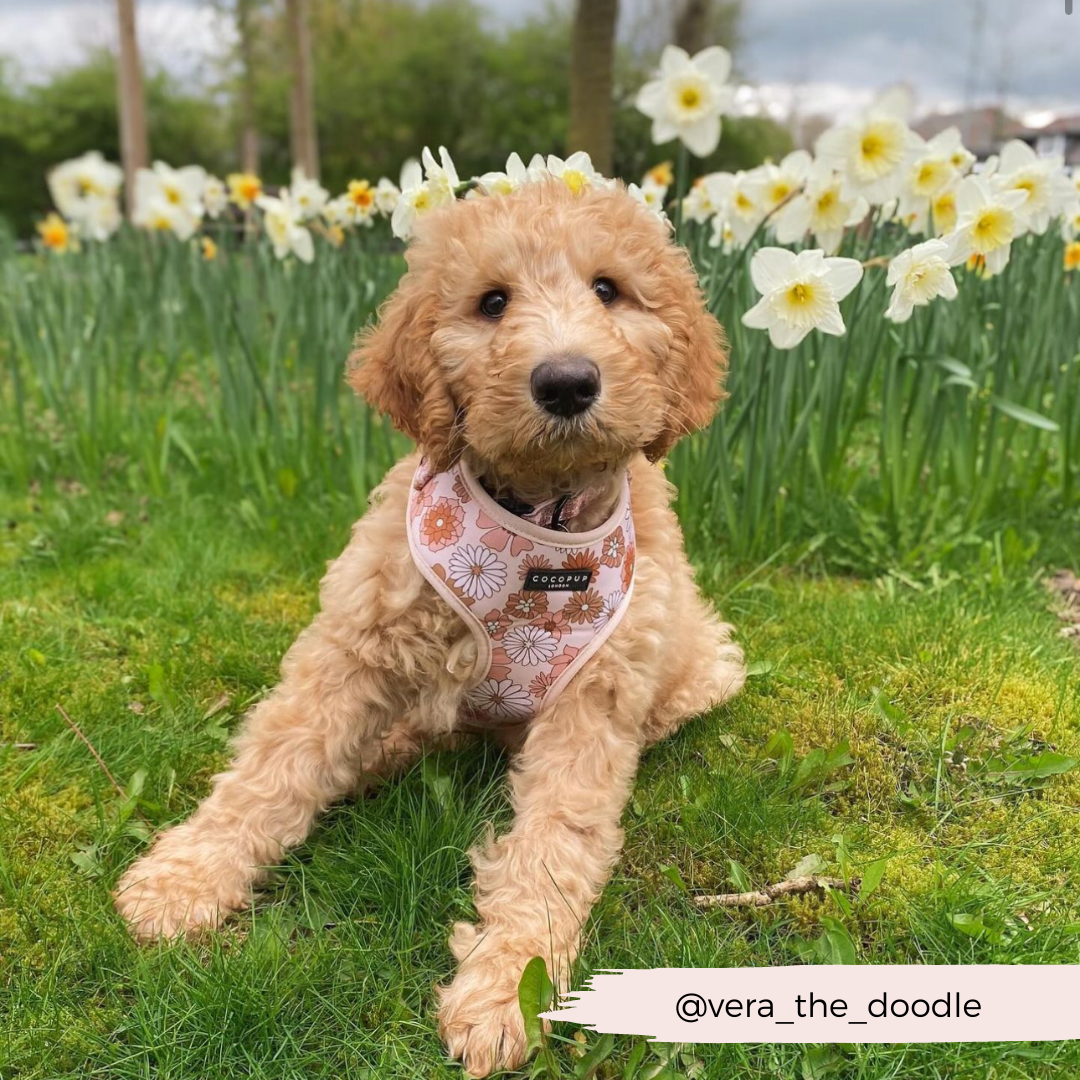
(382,670)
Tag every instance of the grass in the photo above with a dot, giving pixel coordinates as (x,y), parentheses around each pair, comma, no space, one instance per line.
(886,720)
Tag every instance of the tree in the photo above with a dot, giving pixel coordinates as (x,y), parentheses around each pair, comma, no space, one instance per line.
(249,132)
(591,80)
(134,144)
(700,23)
(303,137)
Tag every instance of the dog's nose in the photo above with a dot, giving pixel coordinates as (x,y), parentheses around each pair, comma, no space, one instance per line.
(567,386)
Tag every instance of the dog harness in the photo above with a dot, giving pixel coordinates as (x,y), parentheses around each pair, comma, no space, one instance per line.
(539,601)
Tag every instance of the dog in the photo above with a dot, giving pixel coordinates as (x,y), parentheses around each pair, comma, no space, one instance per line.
(545,350)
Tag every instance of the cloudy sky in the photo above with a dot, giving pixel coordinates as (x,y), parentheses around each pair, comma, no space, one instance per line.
(827,55)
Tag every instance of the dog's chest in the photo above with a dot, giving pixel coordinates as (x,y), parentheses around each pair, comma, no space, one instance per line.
(538,603)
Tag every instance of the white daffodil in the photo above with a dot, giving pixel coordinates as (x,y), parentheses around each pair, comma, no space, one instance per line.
(387,194)
(215,197)
(360,203)
(1040,179)
(822,209)
(777,183)
(502,183)
(650,194)
(800,293)
(576,172)
(168,199)
(987,222)
(872,153)
(308,195)
(421,192)
(738,200)
(72,183)
(99,217)
(722,235)
(698,204)
(688,96)
(918,275)
(337,213)
(281,220)
(156,213)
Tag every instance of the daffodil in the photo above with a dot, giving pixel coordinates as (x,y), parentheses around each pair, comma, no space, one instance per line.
(244,189)
(822,209)
(308,196)
(1070,221)
(360,201)
(987,222)
(99,217)
(576,172)
(73,183)
(56,234)
(737,198)
(1072,256)
(209,249)
(722,235)
(918,276)
(502,183)
(338,212)
(649,194)
(215,197)
(943,212)
(688,96)
(698,203)
(281,221)
(661,174)
(167,195)
(387,194)
(873,152)
(800,293)
(776,184)
(1040,179)
(421,192)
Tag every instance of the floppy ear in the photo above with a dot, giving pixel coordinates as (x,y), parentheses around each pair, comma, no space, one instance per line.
(696,361)
(393,367)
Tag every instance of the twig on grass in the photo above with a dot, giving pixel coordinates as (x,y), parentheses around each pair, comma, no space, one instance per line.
(98,758)
(764,897)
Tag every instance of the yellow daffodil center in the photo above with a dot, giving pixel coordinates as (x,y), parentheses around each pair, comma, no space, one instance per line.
(991,230)
(54,233)
(1027,185)
(690,98)
(944,211)
(881,148)
(780,191)
(743,203)
(661,174)
(361,194)
(826,201)
(800,294)
(575,180)
(161,223)
(1072,255)
(423,200)
(172,194)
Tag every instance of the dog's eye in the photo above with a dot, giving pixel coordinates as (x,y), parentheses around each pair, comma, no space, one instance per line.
(493,304)
(605,289)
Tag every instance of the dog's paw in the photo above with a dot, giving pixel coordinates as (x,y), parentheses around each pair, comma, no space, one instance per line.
(162,897)
(480,1021)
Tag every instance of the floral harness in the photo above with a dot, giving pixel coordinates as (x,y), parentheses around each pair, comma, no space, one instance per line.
(539,602)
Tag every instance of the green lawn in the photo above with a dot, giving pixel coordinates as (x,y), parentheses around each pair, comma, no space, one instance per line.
(155,624)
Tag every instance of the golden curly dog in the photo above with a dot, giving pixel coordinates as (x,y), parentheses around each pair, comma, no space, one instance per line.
(591,285)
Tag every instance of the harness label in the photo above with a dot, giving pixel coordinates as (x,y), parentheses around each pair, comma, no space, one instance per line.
(557,580)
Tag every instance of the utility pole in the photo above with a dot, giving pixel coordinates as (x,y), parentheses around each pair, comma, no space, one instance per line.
(134,144)
(302,137)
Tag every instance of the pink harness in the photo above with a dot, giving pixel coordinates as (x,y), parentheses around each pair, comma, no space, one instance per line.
(539,602)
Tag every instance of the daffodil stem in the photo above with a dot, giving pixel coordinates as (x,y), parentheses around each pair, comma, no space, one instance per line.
(682,171)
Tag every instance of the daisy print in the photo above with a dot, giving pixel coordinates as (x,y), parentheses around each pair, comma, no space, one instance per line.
(529,645)
(586,559)
(501,699)
(583,607)
(526,605)
(628,568)
(541,684)
(477,571)
(443,524)
(609,607)
(495,624)
(533,562)
(613,548)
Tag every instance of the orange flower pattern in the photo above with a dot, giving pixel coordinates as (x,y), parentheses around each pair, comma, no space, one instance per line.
(475,555)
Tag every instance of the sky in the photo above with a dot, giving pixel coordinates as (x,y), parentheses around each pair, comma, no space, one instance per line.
(809,56)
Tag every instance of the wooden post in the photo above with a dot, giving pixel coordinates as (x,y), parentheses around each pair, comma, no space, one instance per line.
(303,137)
(134,144)
(591,81)
(249,136)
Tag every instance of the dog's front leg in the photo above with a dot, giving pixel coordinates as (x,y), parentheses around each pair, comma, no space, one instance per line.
(536,885)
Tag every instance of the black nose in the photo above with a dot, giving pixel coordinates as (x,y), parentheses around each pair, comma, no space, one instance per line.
(565,387)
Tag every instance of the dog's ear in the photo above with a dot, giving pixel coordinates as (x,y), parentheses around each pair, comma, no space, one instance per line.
(696,361)
(393,367)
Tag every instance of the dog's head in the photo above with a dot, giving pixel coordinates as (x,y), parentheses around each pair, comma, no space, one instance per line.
(547,332)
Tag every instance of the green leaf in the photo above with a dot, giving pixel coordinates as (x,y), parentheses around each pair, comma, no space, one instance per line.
(1025,416)
(1035,767)
(587,1066)
(836,946)
(535,992)
(760,667)
(807,866)
(871,879)
(673,875)
(738,876)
